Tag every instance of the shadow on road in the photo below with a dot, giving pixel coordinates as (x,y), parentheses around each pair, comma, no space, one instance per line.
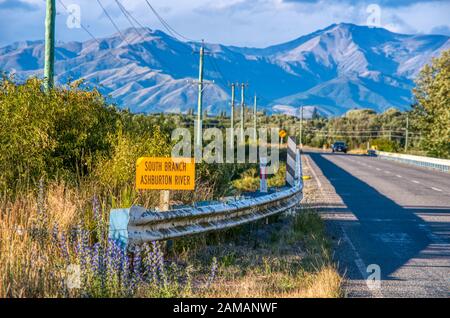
(384,233)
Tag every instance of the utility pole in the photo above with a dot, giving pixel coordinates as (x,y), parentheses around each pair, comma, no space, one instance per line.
(233,88)
(199,141)
(255,115)
(407,133)
(301,127)
(242,111)
(49,61)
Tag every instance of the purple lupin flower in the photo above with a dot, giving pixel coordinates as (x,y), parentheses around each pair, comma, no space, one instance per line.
(113,262)
(102,265)
(137,263)
(63,246)
(213,272)
(55,232)
(124,272)
(150,265)
(135,273)
(83,248)
(159,262)
(95,253)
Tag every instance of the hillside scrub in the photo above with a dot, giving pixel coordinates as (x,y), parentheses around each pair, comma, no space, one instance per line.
(56,134)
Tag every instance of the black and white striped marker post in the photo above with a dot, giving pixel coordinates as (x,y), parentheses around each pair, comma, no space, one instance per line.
(263,175)
(298,166)
(291,165)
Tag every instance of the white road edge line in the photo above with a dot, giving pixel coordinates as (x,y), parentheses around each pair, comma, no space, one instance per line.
(313,172)
(377,293)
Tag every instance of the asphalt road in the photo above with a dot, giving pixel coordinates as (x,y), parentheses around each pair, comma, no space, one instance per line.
(387,214)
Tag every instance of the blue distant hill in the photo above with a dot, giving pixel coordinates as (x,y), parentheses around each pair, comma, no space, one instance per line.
(341,67)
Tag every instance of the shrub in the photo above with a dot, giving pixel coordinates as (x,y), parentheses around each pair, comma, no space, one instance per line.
(59,133)
(431,114)
(385,145)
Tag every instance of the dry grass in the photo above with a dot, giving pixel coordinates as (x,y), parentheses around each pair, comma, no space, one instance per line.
(25,262)
(291,259)
(63,204)
(326,283)
(30,264)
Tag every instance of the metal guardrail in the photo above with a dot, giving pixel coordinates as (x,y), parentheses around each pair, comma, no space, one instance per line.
(426,162)
(137,225)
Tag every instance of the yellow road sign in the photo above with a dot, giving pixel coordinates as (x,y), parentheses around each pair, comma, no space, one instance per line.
(283,133)
(165,174)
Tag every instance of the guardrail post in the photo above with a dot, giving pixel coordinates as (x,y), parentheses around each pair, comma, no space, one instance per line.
(164,206)
(118,226)
(164,200)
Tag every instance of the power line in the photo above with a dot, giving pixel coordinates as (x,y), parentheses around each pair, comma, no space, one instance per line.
(112,22)
(132,19)
(133,22)
(363,131)
(88,32)
(216,69)
(129,18)
(171,30)
(95,38)
(176,34)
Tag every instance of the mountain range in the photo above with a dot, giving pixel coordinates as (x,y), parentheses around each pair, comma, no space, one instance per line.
(330,71)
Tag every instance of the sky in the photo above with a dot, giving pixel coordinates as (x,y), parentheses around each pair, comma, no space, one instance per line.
(252,23)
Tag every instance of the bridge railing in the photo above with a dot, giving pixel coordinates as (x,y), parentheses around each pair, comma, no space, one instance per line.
(427,162)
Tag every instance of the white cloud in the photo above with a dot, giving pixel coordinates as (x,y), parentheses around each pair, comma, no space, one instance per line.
(238,22)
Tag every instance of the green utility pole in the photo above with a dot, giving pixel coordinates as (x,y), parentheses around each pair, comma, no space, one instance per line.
(301,127)
(242,111)
(200,100)
(255,115)
(407,133)
(49,45)
(233,87)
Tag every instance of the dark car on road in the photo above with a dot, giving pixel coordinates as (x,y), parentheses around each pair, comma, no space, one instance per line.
(339,146)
